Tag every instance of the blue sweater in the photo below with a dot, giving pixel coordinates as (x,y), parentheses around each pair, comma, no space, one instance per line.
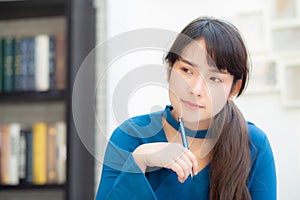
(122,179)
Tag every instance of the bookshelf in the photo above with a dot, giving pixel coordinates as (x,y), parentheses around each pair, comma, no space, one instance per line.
(76,20)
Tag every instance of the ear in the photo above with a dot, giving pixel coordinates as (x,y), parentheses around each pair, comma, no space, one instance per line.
(235,89)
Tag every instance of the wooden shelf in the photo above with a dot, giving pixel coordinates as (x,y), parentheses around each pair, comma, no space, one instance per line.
(31,8)
(33,96)
(32,187)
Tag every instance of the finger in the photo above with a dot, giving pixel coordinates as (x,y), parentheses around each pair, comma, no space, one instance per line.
(177,169)
(187,160)
(189,163)
(194,161)
(185,167)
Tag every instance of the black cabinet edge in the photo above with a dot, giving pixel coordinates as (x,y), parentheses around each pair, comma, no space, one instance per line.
(33,96)
(32,187)
(31,8)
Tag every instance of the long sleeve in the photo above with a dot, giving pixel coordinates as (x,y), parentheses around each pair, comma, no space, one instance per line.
(262,184)
(121,177)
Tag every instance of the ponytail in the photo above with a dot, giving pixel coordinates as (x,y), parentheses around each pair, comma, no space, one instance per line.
(230,165)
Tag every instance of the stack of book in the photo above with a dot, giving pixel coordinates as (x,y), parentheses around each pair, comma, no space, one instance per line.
(36,63)
(33,156)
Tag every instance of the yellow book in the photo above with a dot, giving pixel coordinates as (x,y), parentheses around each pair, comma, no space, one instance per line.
(39,153)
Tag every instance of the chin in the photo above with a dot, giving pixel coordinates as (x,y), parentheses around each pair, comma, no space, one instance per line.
(196,116)
(191,117)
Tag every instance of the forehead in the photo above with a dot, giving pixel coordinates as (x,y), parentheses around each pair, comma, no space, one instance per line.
(195,53)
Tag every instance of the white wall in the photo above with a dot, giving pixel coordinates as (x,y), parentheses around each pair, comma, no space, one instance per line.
(264,109)
(128,15)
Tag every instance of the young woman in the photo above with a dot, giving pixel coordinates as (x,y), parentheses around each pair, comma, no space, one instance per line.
(226,158)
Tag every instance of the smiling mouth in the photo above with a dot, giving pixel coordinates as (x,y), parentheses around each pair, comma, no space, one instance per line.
(192,105)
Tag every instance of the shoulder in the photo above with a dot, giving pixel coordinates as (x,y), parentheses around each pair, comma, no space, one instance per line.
(262,177)
(140,123)
(256,135)
(259,143)
(138,127)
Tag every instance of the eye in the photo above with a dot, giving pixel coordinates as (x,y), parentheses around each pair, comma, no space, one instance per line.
(186,70)
(215,79)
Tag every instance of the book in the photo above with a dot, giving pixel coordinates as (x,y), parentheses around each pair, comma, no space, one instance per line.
(42,62)
(1,66)
(5,140)
(51,154)
(61,151)
(52,62)
(22,156)
(14,153)
(0,149)
(60,62)
(18,64)
(8,63)
(35,63)
(29,155)
(39,153)
(30,60)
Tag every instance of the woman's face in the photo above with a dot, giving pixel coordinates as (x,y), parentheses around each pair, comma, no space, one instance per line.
(197,90)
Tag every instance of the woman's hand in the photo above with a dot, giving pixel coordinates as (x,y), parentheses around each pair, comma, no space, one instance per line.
(168,155)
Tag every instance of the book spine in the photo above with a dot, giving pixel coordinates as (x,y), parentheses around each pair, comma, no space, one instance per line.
(39,153)
(51,154)
(29,155)
(42,63)
(30,60)
(24,64)
(51,62)
(17,65)
(0,150)
(1,65)
(8,64)
(14,153)
(5,154)
(22,163)
(60,62)
(61,152)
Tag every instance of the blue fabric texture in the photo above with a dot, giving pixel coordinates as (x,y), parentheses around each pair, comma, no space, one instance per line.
(122,179)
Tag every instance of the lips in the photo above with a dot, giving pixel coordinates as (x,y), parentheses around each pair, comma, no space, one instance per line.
(192,105)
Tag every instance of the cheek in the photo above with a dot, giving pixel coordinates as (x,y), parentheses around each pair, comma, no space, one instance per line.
(177,84)
(177,89)
(174,89)
(218,98)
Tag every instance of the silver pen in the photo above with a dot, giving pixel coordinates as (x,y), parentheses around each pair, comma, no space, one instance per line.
(183,136)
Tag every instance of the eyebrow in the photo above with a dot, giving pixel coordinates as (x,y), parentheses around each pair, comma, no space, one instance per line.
(212,69)
(216,70)
(187,62)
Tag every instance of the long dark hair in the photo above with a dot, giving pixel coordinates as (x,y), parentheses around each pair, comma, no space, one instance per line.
(231,163)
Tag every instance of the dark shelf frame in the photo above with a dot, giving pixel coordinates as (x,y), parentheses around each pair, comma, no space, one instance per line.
(82,40)
(33,96)
(33,187)
(32,8)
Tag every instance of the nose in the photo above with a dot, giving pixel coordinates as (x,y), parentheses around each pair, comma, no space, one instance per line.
(198,86)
